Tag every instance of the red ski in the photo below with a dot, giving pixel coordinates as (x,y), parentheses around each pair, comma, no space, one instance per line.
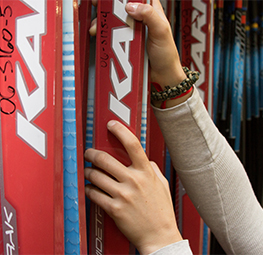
(118,95)
(31,127)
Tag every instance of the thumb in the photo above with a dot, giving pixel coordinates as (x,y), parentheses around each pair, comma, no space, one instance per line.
(152,16)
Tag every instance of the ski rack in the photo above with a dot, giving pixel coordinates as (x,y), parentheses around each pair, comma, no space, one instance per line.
(31,127)
(31,179)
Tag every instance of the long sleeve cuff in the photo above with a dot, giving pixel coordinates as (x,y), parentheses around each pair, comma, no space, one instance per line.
(180,248)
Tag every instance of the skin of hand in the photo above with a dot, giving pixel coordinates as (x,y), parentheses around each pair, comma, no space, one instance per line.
(137,197)
(164,70)
(165,64)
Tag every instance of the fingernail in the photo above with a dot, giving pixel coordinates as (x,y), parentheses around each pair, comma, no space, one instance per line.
(111,123)
(131,7)
(93,29)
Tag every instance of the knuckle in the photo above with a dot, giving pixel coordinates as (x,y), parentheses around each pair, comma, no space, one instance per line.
(138,182)
(115,210)
(153,164)
(100,158)
(164,32)
(132,177)
(126,196)
(146,10)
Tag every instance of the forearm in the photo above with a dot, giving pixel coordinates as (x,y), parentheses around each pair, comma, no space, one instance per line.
(213,176)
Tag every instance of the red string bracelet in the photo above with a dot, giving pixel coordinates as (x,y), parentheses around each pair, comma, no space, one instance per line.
(159,88)
(177,91)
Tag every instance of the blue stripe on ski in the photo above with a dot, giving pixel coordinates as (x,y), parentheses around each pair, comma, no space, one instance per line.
(248,74)
(71,210)
(240,82)
(254,72)
(227,61)
(144,97)
(217,60)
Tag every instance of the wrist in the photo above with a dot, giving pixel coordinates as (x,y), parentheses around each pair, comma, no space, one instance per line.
(173,75)
(172,102)
(174,95)
(161,240)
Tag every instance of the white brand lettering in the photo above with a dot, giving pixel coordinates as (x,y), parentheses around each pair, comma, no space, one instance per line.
(10,246)
(29,30)
(198,49)
(98,230)
(121,38)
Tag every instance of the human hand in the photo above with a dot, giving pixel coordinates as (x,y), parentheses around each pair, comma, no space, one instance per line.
(166,68)
(137,197)
(165,63)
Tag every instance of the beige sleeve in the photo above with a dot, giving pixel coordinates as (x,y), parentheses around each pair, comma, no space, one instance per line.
(179,248)
(213,176)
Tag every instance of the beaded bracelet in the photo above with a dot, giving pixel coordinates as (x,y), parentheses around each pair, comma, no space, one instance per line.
(178,90)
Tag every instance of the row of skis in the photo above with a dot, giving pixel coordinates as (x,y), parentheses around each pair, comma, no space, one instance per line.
(237,103)
(238,82)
